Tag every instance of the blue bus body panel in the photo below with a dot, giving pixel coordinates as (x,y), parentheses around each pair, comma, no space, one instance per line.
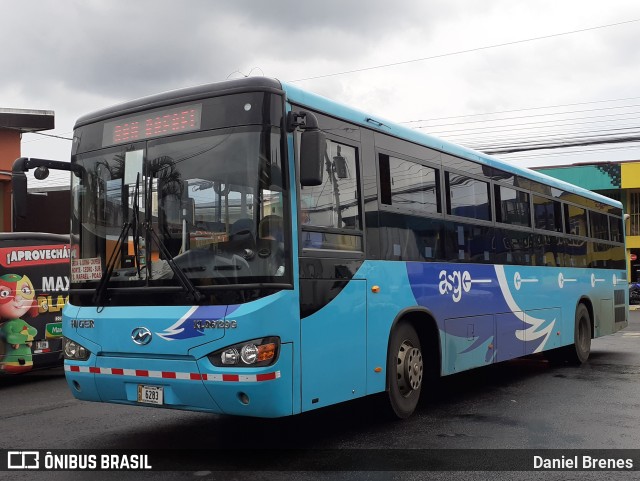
(176,357)
(484,314)
(333,349)
(488,313)
(172,328)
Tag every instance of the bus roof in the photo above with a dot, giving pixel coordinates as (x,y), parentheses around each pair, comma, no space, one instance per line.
(249,84)
(335,109)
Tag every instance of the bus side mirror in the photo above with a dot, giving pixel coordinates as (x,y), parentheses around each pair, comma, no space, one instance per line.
(313,146)
(19,186)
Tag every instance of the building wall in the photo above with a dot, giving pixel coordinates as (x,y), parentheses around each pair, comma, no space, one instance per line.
(596,177)
(631,189)
(9,151)
(9,148)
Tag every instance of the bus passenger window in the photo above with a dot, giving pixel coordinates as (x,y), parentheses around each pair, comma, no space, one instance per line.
(547,214)
(467,197)
(409,184)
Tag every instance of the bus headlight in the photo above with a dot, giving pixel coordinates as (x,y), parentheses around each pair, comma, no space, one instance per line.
(74,351)
(253,353)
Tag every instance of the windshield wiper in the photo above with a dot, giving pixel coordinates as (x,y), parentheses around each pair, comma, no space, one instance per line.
(98,296)
(136,226)
(192,292)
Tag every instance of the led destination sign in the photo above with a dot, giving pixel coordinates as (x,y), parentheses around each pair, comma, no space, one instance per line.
(152,124)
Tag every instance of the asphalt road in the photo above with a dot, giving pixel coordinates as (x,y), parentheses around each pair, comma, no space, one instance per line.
(522,404)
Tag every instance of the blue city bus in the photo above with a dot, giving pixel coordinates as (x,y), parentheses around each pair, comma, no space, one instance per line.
(251,248)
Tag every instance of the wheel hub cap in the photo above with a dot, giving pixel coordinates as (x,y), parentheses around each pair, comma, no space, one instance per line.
(410,368)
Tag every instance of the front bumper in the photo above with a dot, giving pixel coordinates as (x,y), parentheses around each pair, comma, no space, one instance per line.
(194,385)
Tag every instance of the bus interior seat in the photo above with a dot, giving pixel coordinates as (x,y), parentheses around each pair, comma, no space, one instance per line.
(271,228)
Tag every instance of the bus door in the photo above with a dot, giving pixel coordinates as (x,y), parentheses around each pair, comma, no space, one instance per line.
(332,300)
(333,337)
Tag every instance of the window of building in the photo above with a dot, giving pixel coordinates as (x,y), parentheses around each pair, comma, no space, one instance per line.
(634,213)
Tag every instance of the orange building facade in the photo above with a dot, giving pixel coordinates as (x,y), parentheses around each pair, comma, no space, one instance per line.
(13,123)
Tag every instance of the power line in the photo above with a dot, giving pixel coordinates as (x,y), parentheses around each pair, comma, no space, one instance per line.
(505,119)
(46,135)
(51,135)
(508,157)
(460,52)
(556,134)
(37,133)
(537,125)
(538,133)
(550,145)
(483,144)
(518,110)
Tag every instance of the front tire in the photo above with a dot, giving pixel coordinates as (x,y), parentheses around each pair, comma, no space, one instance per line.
(405,370)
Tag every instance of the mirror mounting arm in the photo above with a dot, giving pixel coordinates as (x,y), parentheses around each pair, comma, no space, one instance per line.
(313,144)
(301,119)
(19,179)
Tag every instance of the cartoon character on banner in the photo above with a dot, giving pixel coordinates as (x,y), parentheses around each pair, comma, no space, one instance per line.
(17,298)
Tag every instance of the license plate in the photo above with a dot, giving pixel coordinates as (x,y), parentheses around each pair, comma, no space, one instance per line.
(41,345)
(150,394)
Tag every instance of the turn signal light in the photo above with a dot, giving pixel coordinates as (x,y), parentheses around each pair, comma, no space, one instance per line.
(266,352)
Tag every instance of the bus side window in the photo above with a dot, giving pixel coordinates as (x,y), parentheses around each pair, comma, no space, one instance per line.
(335,203)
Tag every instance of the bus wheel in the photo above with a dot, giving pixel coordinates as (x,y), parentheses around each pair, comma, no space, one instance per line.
(582,336)
(405,370)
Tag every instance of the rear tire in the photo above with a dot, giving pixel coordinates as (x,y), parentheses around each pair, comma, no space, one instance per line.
(579,353)
(405,370)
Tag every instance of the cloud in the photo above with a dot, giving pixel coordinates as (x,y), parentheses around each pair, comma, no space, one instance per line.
(77,56)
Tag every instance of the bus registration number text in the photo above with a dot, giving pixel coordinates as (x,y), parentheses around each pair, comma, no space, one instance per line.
(150,394)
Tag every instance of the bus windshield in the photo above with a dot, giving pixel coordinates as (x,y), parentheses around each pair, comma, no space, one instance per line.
(209,205)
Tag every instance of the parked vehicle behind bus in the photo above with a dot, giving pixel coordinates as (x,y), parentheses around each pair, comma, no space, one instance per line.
(34,280)
(634,293)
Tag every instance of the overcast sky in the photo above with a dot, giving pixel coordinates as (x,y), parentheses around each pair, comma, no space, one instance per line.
(76,56)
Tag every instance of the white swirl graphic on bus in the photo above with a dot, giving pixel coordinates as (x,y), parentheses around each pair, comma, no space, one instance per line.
(456,282)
